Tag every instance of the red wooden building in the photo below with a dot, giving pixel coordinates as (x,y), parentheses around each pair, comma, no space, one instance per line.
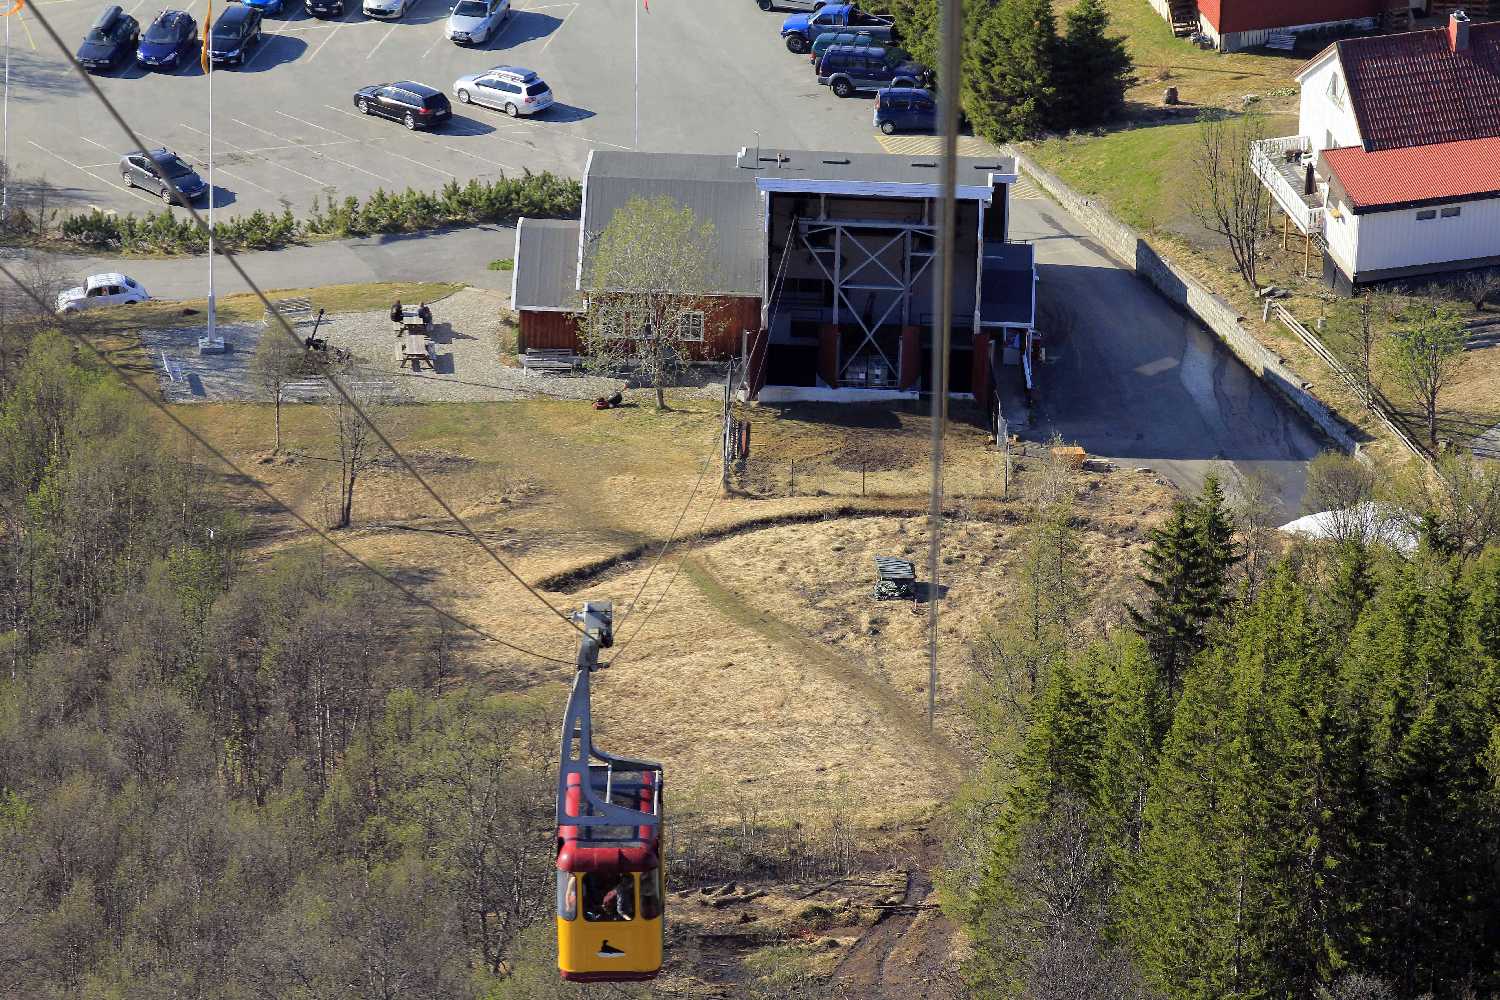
(822,276)
(1243,24)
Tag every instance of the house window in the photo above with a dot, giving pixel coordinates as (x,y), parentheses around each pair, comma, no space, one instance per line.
(1336,91)
(690,326)
(1452,211)
(1426,215)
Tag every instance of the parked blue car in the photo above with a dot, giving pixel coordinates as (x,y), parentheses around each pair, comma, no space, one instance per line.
(266,6)
(799,30)
(170,38)
(902,109)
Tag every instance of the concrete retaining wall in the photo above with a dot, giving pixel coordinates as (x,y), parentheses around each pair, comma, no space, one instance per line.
(1181,288)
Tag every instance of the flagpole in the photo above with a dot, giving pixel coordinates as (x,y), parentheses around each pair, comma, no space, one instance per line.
(211,304)
(5,142)
(637,143)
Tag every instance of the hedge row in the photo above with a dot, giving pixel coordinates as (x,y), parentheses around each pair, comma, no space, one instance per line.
(543,195)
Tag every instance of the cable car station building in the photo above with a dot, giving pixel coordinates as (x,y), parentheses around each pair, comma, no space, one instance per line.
(823,273)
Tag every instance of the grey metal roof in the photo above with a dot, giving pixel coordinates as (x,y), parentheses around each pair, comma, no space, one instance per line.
(723,196)
(546,265)
(878,168)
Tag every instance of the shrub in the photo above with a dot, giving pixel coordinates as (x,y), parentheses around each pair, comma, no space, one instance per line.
(543,195)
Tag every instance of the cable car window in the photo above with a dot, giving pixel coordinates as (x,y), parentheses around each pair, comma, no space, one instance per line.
(567,896)
(651,894)
(609,898)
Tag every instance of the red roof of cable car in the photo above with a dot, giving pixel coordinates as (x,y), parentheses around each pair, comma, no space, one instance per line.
(611,856)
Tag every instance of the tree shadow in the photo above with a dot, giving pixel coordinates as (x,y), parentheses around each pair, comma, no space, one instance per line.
(523,26)
(273,51)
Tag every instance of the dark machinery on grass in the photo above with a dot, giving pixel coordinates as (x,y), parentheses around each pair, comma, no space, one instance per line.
(896,579)
(610,897)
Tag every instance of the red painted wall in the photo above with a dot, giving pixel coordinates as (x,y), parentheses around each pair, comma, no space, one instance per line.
(724,321)
(548,330)
(1252,15)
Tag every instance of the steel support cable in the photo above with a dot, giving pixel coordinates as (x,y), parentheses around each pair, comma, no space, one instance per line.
(948,73)
(265,491)
(620,650)
(234,263)
(707,461)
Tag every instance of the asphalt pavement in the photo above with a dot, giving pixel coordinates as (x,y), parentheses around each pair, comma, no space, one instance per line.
(713,74)
(1134,380)
(461,255)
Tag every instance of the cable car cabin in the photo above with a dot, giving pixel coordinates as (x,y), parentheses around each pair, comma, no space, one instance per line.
(609,819)
(609,884)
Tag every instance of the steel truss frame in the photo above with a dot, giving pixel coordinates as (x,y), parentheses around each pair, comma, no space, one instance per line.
(853,263)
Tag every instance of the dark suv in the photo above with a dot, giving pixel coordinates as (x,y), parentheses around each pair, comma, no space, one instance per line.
(110,41)
(414,105)
(233,35)
(900,108)
(849,69)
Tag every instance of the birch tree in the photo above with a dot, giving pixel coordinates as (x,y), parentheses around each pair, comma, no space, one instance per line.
(358,447)
(1424,357)
(1229,198)
(648,283)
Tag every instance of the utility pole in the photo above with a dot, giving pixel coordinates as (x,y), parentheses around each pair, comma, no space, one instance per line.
(726,444)
(5,141)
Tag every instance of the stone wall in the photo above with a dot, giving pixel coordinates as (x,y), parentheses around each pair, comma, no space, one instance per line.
(1183,290)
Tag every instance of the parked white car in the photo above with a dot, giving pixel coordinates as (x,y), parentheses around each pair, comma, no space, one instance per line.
(474,22)
(390,10)
(511,89)
(113,289)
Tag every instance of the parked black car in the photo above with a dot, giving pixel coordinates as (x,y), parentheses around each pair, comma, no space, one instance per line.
(414,105)
(325,8)
(234,34)
(849,69)
(171,36)
(110,41)
(153,170)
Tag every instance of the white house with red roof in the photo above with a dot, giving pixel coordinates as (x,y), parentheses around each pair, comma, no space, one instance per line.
(1395,172)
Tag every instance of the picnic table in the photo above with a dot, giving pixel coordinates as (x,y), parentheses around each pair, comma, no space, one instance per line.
(415,350)
(412,320)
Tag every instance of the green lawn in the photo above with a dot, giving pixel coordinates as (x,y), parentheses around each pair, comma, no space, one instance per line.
(1140,174)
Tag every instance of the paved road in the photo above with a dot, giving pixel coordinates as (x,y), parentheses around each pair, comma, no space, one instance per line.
(712,74)
(1138,382)
(454,255)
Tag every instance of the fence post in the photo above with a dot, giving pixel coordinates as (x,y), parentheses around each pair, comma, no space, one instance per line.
(792,464)
(861,477)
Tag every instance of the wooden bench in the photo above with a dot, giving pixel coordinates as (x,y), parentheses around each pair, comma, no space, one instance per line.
(549,360)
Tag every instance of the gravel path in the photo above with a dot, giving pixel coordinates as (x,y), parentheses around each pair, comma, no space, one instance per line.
(466,346)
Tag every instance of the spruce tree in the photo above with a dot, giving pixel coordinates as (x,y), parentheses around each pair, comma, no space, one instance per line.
(1187,573)
(1007,89)
(1093,70)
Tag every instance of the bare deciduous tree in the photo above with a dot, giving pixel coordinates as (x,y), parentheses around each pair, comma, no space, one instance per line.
(357,444)
(1341,488)
(1425,356)
(1230,199)
(648,278)
(1358,322)
(1253,502)
(1478,286)
(276,363)
(1461,495)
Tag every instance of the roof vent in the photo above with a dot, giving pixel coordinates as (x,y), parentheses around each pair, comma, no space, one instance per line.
(1458,31)
(745,158)
(838,163)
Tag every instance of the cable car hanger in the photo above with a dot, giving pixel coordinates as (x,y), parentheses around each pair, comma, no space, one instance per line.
(610,897)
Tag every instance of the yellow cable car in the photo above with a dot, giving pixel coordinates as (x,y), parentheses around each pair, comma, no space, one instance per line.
(610,897)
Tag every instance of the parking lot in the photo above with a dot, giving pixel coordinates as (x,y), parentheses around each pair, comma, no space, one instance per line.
(712,74)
